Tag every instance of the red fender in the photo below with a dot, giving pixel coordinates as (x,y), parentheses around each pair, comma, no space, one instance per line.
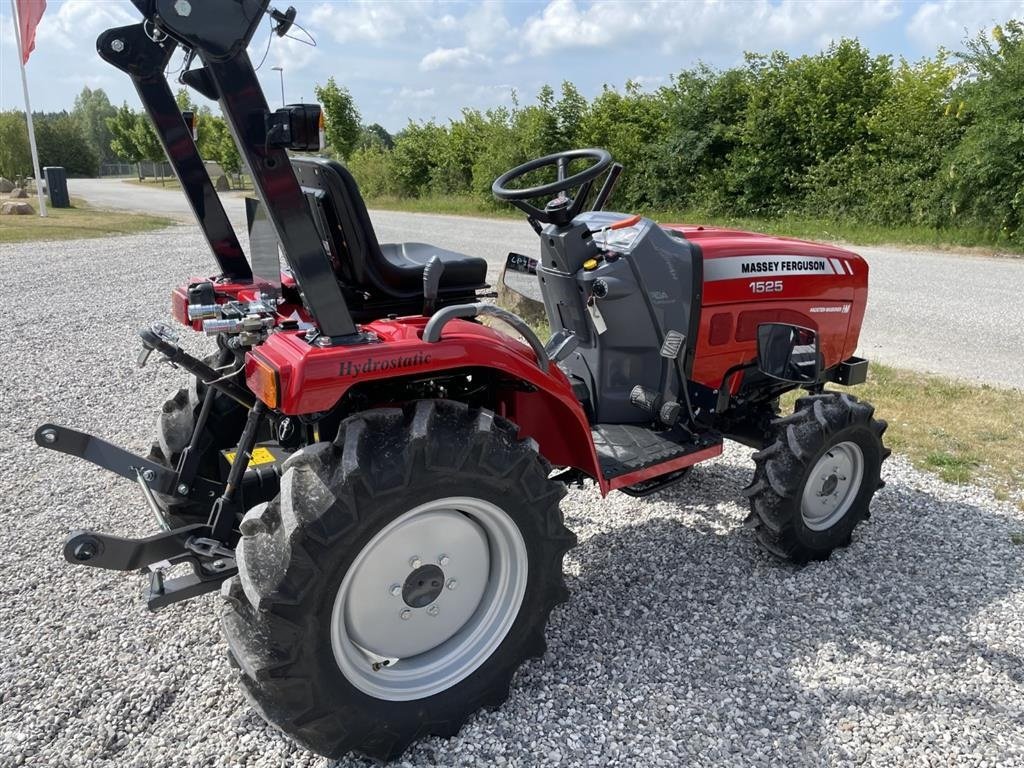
(312,379)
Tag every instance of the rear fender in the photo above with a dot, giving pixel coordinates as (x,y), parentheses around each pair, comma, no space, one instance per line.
(312,379)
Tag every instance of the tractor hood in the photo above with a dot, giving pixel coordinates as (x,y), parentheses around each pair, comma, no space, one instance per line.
(719,241)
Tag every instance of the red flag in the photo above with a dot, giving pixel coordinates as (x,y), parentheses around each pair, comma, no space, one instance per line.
(29,14)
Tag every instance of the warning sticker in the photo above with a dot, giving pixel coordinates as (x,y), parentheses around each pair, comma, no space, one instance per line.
(259,456)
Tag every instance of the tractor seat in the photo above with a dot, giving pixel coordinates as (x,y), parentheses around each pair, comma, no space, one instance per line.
(392,271)
(405,263)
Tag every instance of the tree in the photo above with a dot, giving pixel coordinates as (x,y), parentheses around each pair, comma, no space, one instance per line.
(15,156)
(341,116)
(569,111)
(537,125)
(375,135)
(91,111)
(122,140)
(414,157)
(133,137)
(987,167)
(61,142)
(629,125)
(220,144)
(800,113)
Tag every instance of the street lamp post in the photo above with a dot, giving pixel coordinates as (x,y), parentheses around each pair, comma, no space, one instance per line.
(281,71)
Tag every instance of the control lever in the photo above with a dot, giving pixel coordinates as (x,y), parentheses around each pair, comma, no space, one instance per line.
(431,283)
(561,345)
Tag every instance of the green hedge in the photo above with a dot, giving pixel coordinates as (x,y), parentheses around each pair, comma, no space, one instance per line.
(842,134)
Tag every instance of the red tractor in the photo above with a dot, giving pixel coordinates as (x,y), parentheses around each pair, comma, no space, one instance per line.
(371,475)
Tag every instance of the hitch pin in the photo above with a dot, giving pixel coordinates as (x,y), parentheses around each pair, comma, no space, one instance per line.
(147,492)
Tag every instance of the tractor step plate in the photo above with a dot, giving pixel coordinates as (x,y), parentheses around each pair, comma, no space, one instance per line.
(631,453)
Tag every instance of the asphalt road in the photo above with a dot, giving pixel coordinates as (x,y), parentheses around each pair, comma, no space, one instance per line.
(961,316)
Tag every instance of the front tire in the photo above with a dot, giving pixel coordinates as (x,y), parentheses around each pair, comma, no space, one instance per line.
(814,482)
(399,579)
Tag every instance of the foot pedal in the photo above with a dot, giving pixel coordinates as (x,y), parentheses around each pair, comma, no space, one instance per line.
(645,399)
(669,413)
(673,345)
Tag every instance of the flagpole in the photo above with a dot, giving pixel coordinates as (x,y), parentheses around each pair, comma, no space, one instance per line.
(28,112)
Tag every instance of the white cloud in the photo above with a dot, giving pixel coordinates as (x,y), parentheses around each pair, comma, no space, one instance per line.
(486,27)
(378,21)
(701,26)
(289,52)
(563,25)
(452,58)
(412,93)
(650,81)
(78,20)
(947,23)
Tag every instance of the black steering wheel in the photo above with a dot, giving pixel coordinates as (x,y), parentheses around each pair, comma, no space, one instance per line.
(562,209)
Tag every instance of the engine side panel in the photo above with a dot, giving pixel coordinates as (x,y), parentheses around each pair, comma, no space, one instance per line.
(751,279)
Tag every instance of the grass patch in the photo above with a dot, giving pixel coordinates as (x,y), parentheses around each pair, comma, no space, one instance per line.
(450,205)
(963,432)
(808,228)
(73,223)
(171,182)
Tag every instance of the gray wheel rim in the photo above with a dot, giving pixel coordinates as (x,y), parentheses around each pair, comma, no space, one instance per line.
(832,486)
(397,650)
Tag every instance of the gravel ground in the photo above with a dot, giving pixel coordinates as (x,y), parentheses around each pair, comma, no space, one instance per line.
(681,643)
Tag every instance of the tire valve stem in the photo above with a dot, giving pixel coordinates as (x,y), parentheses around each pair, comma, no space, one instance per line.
(377,666)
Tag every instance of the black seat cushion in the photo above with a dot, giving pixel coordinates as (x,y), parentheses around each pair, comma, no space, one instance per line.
(392,270)
(405,263)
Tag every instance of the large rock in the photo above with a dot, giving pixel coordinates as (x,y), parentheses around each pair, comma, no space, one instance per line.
(5,185)
(11,208)
(222,184)
(19,192)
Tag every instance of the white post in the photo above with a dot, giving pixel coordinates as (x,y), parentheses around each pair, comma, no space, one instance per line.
(28,112)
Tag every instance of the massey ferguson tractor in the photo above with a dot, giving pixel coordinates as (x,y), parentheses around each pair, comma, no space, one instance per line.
(371,474)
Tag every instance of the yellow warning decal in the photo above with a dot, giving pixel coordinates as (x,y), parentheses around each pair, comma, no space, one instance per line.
(259,456)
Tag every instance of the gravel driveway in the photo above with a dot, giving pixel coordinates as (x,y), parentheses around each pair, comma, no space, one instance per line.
(681,644)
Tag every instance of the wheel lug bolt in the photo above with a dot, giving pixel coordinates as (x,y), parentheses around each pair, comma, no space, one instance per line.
(432,610)
(406,614)
(395,590)
(415,562)
(452,583)
(444,560)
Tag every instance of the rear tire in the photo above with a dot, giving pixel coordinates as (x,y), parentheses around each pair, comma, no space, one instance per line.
(814,482)
(174,427)
(326,565)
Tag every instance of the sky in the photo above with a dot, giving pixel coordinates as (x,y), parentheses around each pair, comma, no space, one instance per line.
(426,59)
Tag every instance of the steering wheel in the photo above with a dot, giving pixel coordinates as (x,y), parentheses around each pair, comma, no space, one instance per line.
(562,209)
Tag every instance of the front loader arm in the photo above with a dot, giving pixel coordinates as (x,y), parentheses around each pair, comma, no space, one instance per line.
(216,33)
(133,51)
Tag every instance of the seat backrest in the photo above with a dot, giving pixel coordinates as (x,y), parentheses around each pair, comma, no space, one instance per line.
(344,222)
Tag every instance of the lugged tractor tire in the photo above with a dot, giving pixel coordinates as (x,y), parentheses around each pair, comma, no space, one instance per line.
(174,426)
(308,588)
(814,482)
